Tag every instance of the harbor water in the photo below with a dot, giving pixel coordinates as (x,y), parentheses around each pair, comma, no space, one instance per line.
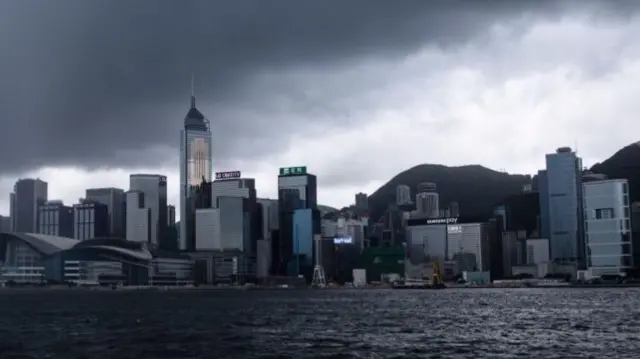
(453,323)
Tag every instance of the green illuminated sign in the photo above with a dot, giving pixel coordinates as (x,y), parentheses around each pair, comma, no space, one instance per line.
(293,171)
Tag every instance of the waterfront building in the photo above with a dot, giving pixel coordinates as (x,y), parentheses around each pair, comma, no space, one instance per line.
(195,168)
(607,226)
(297,189)
(37,258)
(564,198)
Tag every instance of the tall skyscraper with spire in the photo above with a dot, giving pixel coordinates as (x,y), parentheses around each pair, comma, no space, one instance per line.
(195,165)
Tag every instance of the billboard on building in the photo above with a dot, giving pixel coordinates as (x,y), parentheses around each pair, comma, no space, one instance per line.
(227,175)
(293,171)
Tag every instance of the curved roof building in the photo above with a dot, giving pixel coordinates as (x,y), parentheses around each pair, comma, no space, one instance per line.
(30,257)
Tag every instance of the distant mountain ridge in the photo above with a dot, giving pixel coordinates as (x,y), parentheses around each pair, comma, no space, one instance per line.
(477,189)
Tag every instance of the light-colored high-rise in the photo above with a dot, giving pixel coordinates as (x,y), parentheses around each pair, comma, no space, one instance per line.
(138,218)
(154,188)
(195,166)
(607,224)
(403,194)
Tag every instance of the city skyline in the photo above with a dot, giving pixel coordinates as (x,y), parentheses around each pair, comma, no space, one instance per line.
(487,92)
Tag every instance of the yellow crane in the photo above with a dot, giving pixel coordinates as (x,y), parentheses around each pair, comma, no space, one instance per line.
(436,276)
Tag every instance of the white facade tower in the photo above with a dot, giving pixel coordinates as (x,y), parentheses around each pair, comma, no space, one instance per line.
(195,166)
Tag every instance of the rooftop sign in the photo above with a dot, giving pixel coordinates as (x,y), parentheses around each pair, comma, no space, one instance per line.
(293,171)
(227,175)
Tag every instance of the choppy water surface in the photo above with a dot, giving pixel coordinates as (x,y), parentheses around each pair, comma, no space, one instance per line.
(465,323)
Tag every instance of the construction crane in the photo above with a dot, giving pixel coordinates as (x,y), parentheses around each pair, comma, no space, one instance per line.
(436,276)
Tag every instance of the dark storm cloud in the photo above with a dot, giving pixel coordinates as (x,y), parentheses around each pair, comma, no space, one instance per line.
(82,82)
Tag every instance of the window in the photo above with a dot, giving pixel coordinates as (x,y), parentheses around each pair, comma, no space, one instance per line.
(604,213)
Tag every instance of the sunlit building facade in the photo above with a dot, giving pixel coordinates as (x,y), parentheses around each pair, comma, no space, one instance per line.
(195,167)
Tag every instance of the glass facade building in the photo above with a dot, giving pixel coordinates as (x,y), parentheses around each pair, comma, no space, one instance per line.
(607,226)
(115,200)
(294,192)
(195,168)
(566,239)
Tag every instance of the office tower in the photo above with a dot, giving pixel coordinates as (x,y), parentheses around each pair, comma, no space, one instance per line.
(195,167)
(306,225)
(90,220)
(114,199)
(297,189)
(5,224)
(454,210)
(27,195)
(237,187)
(362,201)
(138,218)
(154,188)
(403,194)
(607,224)
(564,199)
(427,200)
(234,221)
(55,219)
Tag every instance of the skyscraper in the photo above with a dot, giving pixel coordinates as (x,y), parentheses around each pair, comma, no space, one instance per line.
(403,194)
(28,194)
(114,199)
(195,167)
(55,219)
(564,186)
(362,202)
(297,189)
(154,188)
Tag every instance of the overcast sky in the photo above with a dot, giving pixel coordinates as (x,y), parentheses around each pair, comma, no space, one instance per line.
(358,91)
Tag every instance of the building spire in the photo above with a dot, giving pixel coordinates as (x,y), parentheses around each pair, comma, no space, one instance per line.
(193,96)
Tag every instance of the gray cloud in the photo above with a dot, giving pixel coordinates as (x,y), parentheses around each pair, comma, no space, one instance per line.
(106,83)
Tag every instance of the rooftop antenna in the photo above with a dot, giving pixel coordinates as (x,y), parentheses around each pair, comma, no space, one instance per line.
(575,143)
(193,96)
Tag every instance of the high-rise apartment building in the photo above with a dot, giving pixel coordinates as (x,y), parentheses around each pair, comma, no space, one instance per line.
(28,194)
(195,167)
(564,198)
(427,200)
(90,220)
(55,219)
(115,200)
(607,225)
(362,201)
(403,194)
(154,188)
(138,218)
(297,189)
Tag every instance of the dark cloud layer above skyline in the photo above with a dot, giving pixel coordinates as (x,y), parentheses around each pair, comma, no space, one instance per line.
(105,83)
